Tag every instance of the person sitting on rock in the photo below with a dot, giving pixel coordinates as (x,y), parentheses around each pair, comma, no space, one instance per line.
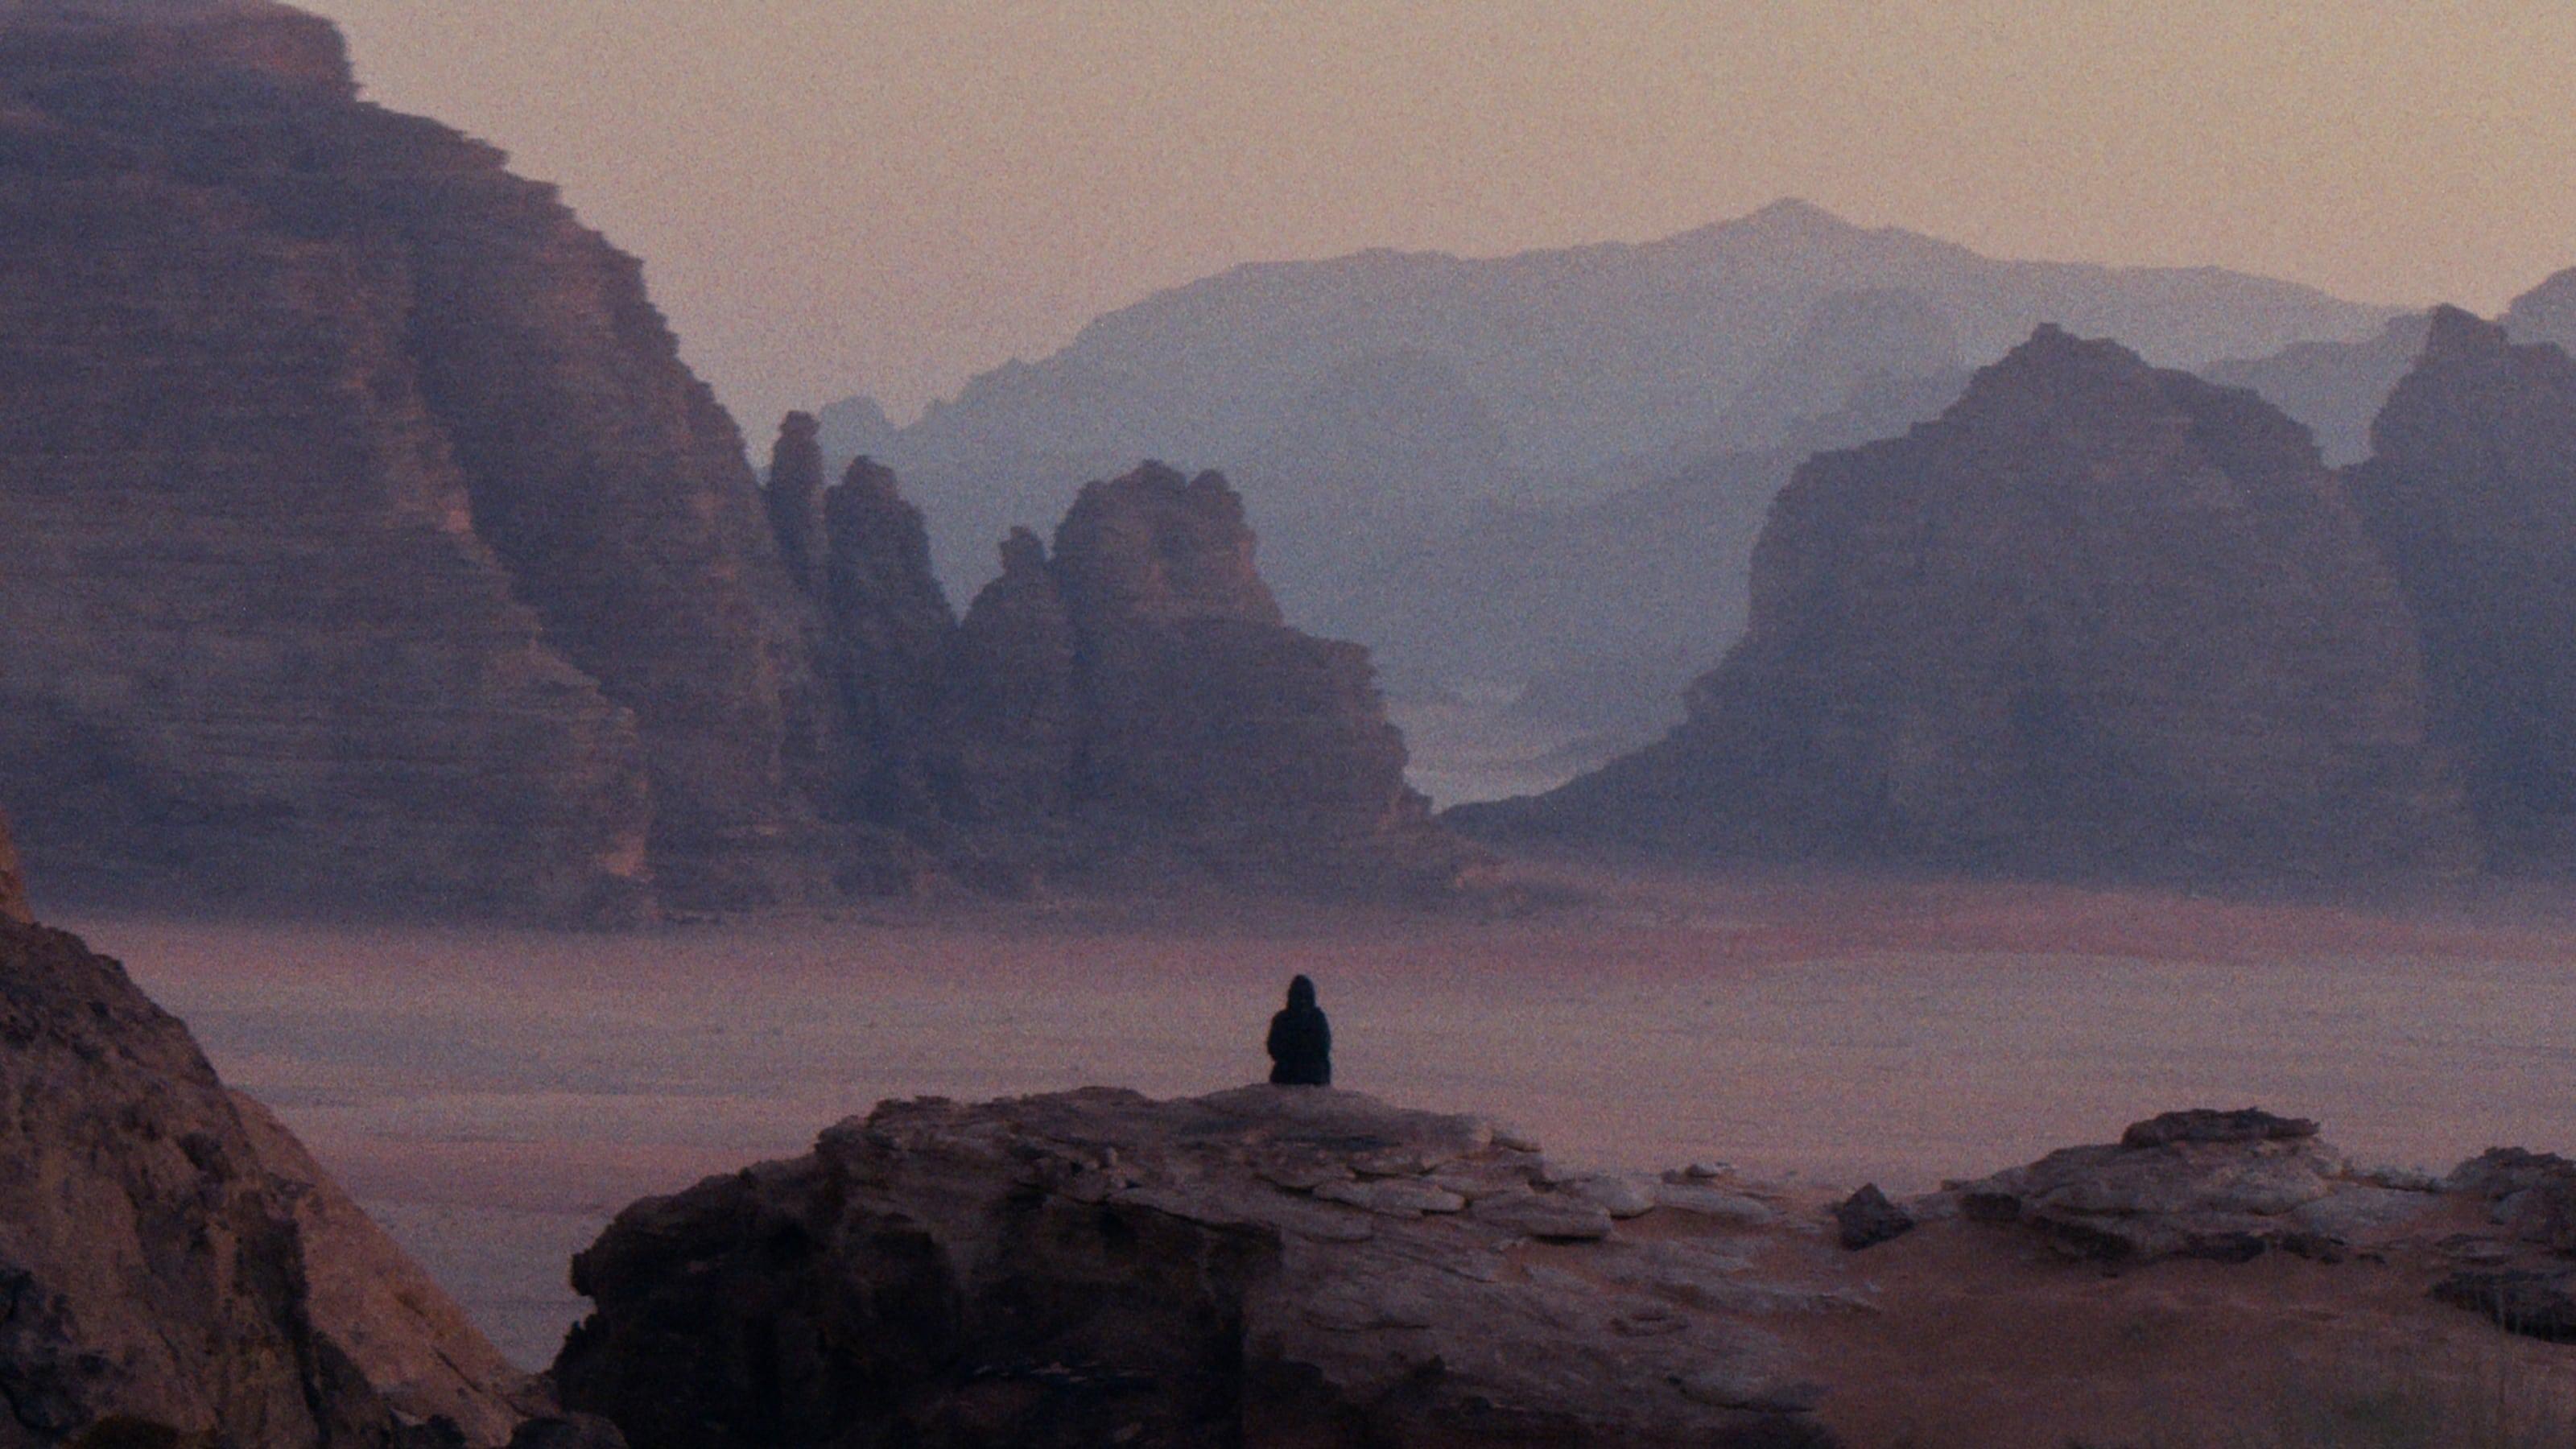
(1301,1041)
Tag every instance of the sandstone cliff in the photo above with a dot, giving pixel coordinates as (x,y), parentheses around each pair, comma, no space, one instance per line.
(2097,619)
(169,1256)
(1132,711)
(1140,693)
(361,534)
(2469,493)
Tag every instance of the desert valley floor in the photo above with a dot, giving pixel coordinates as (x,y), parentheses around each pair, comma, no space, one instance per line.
(494,1097)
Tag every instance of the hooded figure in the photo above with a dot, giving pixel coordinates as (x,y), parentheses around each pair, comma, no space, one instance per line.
(1301,1041)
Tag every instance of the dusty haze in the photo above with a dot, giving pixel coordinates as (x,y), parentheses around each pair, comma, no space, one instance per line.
(842,195)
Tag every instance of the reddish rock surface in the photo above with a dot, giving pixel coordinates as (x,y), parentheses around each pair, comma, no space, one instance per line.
(2469,493)
(169,1256)
(1263,1267)
(2098,619)
(363,535)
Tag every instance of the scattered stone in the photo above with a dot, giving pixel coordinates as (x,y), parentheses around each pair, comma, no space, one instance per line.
(1299,1167)
(1554,1216)
(2360,1211)
(1620,1197)
(1393,1196)
(1867,1218)
(1709,1202)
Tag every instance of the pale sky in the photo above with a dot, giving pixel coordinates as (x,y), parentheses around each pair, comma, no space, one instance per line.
(888,196)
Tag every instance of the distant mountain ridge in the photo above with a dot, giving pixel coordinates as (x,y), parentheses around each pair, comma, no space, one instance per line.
(1581,356)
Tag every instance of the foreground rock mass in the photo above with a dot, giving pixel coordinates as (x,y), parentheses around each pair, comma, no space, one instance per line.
(2471,493)
(1306,1267)
(2098,618)
(170,1256)
(1271,1266)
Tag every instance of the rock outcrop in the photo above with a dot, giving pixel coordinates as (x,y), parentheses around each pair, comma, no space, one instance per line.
(793,494)
(1269,1266)
(2199,1184)
(1133,709)
(2097,619)
(886,630)
(1193,727)
(2471,493)
(361,534)
(169,1256)
(1277,1267)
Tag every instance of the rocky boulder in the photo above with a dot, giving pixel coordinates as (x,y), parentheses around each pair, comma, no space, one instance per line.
(2471,493)
(170,1257)
(1269,1266)
(2198,1184)
(2097,619)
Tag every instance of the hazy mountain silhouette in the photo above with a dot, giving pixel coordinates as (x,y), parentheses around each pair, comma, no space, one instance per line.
(1633,593)
(1580,356)
(2337,388)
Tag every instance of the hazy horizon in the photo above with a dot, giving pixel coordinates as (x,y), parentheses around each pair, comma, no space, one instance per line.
(891,198)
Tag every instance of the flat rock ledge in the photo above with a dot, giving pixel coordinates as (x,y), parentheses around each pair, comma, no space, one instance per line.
(1264,1266)
(2229,1186)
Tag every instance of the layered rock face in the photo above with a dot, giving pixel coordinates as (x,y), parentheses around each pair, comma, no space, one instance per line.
(2469,493)
(361,534)
(1264,1267)
(169,1256)
(2097,619)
